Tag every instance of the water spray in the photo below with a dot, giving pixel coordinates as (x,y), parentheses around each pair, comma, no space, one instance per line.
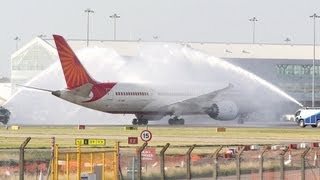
(170,64)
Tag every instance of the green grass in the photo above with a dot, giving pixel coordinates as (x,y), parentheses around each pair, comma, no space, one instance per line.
(176,136)
(65,135)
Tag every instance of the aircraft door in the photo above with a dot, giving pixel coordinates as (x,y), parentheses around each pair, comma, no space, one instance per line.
(110,96)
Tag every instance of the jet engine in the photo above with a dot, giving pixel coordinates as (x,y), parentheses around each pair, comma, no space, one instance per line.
(223,110)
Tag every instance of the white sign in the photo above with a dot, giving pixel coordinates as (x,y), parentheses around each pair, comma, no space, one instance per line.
(145,135)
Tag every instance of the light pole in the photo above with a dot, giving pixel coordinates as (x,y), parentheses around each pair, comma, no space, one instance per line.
(253,20)
(88,11)
(114,17)
(314,16)
(17,39)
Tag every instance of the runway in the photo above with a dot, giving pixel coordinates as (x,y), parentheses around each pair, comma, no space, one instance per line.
(248,133)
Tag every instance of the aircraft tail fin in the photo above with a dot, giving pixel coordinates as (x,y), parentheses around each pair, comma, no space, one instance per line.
(74,72)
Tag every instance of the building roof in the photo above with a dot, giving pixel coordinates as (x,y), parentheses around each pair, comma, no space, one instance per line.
(45,44)
(222,50)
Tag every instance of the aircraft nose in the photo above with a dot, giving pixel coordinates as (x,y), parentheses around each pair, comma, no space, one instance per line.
(56,93)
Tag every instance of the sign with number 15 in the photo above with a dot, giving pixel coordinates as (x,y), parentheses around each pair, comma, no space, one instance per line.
(145,135)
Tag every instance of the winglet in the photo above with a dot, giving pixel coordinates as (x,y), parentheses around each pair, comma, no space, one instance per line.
(75,74)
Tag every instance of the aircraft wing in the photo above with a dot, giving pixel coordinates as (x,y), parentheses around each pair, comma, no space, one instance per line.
(195,104)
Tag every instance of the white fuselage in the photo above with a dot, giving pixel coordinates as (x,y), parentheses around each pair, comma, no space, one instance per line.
(147,102)
(126,98)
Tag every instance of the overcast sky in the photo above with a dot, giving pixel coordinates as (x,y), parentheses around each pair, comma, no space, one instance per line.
(170,20)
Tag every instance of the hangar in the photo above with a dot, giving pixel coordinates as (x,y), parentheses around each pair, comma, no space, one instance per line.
(288,66)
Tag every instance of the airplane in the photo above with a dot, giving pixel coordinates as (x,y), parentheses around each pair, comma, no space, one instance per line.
(146,102)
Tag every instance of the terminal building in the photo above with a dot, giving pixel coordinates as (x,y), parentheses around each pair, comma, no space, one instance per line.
(288,66)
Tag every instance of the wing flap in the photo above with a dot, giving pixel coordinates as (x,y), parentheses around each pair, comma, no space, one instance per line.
(194,105)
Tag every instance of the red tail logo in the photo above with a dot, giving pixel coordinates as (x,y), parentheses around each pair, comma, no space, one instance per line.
(74,73)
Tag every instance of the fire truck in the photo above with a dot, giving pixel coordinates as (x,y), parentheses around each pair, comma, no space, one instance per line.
(308,116)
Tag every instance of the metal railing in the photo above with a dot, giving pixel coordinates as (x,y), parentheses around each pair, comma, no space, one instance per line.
(162,162)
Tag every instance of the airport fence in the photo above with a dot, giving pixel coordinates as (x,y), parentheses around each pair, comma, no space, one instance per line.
(84,163)
(18,161)
(121,161)
(54,162)
(220,162)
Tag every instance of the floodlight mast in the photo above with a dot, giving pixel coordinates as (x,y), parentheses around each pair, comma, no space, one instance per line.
(114,17)
(88,11)
(253,20)
(314,16)
(17,39)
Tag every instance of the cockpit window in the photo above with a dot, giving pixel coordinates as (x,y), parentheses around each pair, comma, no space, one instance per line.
(297,113)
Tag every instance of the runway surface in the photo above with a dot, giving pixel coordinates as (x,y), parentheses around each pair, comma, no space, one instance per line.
(214,138)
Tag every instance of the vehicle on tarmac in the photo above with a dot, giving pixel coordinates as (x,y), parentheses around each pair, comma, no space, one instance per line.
(287,117)
(308,116)
(4,115)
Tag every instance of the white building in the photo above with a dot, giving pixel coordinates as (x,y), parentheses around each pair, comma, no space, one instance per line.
(285,65)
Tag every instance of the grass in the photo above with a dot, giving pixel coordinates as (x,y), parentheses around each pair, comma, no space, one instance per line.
(10,141)
(65,135)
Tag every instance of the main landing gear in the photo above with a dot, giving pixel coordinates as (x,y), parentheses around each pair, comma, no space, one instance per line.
(136,121)
(242,118)
(176,121)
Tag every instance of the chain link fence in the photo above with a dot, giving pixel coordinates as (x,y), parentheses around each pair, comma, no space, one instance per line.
(293,161)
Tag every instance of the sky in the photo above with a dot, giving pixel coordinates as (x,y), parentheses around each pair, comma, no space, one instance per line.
(170,20)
